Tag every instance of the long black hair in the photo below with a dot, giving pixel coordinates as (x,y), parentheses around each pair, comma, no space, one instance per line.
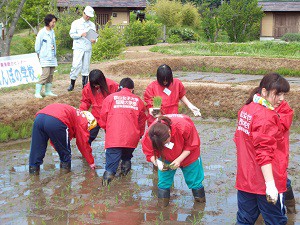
(164,73)
(272,81)
(96,78)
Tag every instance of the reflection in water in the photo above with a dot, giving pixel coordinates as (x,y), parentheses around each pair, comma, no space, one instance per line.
(79,198)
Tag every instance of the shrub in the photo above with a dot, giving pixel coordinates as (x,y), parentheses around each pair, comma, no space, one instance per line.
(28,43)
(174,38)
(185,34)
(168,12)
(142,33)
(62,29)
(109,45)
(291,37)
(189,14)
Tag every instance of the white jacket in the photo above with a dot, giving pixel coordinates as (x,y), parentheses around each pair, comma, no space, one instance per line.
(45,46)
(77,28)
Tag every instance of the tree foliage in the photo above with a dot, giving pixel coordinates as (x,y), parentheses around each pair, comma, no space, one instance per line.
(239,17)
(109,45)
(169,12)
(10,13)
(34,12)
(63,26)
(174,13)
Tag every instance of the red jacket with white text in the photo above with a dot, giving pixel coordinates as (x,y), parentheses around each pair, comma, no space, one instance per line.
(123,118)
(286,118)
(257,140)
(170,99)
(76,122)
(184,136)
(88,99)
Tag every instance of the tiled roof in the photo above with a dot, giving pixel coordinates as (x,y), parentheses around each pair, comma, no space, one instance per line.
(104,3)
(280,6)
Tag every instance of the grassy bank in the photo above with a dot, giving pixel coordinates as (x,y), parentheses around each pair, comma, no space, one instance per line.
(268,49)
(15,131)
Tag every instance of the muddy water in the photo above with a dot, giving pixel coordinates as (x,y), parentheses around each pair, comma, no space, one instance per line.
(226,77)
(78,197)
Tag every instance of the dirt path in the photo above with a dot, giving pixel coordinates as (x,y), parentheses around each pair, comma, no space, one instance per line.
(139,63)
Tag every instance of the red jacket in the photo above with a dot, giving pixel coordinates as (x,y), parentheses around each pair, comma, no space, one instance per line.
(76,122)
(257,140)
(88,99)
(286,118)
(169,102)
(123,118)
(184,136)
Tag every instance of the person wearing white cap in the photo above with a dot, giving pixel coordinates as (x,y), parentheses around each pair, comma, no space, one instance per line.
(82,47)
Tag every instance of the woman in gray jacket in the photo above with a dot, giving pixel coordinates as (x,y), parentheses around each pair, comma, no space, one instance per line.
(45,47)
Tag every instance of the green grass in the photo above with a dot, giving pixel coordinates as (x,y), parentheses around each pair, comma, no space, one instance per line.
(268,49)
(16,130)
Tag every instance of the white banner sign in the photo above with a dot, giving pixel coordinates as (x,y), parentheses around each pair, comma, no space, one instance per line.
(19,69)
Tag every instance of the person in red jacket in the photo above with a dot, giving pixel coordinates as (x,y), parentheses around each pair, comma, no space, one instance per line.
(123,118)
(286,114)
(172,141)
(93,95)
(261,162)
(171,90)
(60,123)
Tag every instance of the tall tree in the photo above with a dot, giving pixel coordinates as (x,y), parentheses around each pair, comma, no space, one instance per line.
(238,17)
(10,13)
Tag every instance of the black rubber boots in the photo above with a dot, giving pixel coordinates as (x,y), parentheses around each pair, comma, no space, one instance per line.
(107,178)
(72,85)
(199,194)
(290,201)
(125,167)
(34,170)
(66,166)
(85,80)
(163,197)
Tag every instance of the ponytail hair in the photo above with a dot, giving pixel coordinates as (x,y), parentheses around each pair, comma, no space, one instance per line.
(126,83)
(272,81)
(97,77)
(159,132)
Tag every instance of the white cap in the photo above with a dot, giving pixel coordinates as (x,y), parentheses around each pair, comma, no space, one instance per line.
(89,11)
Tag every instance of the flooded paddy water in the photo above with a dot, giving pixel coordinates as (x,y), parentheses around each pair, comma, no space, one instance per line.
(79,198)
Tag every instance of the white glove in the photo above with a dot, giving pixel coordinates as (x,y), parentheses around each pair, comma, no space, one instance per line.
(271,192)
(195,110)
(160,164)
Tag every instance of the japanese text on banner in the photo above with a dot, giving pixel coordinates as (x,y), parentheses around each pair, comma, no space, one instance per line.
(19,69)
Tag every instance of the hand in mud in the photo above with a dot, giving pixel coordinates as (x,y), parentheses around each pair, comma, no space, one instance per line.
(93,166)
(271,192)
(175,164)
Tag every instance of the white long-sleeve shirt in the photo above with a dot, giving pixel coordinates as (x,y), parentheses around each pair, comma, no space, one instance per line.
(77,28)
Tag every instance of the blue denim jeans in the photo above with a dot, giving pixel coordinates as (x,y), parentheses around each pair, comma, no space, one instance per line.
(113,157)
(46,127)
